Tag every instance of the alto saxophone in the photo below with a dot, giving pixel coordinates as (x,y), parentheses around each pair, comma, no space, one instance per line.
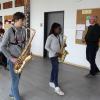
(63,52)
(25,55)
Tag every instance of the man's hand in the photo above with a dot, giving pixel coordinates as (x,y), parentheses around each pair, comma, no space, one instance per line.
(83,41)
(14,60)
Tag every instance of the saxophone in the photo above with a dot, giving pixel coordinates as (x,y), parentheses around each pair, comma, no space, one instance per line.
(63,52)
(25,55)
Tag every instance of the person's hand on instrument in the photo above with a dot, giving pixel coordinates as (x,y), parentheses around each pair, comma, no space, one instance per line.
(58,54)
(14,60)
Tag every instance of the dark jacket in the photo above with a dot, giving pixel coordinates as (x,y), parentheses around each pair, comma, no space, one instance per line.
(93,34)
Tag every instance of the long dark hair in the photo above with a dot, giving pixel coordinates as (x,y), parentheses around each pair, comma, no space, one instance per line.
(53,27)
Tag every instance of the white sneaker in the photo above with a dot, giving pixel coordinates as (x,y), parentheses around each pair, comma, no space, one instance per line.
(11,97)
(52,85)
(58,91)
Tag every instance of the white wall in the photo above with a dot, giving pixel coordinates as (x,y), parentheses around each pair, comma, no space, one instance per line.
(38,7)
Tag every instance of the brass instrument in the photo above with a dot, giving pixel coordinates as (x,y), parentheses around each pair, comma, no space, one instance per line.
(63,51)
(25,55)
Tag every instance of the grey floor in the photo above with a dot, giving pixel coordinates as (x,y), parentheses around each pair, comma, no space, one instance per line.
(35,78)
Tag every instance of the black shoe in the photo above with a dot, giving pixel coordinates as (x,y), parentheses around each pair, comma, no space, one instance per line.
(90,75)
(98,73)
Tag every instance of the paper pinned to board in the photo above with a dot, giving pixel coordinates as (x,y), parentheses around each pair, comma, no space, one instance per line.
(80,27)
(87,11)
(79,35)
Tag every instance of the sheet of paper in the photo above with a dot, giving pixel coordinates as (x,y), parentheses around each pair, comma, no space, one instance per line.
(80,27)
(79,34)
(87,11)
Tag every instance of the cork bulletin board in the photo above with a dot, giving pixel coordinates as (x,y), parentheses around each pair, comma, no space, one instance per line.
(82,22)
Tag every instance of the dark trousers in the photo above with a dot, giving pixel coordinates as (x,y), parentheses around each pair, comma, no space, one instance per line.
(55,69)
(3,60)
(91,52)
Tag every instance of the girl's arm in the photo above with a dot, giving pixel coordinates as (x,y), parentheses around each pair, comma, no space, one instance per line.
(48,45)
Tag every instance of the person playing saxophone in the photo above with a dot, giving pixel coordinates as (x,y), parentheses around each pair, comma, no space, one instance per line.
(12,45)
(53,46)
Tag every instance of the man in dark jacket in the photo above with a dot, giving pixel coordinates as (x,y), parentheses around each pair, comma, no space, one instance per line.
(92,40)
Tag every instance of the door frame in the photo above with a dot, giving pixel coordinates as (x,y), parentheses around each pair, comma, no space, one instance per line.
(45,28)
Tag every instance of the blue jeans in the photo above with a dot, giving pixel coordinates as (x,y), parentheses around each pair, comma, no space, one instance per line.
(55,70)
(15,81)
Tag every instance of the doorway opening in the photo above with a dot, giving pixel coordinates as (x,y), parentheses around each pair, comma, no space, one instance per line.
(49,19)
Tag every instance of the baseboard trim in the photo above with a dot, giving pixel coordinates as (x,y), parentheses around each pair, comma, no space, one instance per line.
(69,63)
(37,55)
(76,65)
